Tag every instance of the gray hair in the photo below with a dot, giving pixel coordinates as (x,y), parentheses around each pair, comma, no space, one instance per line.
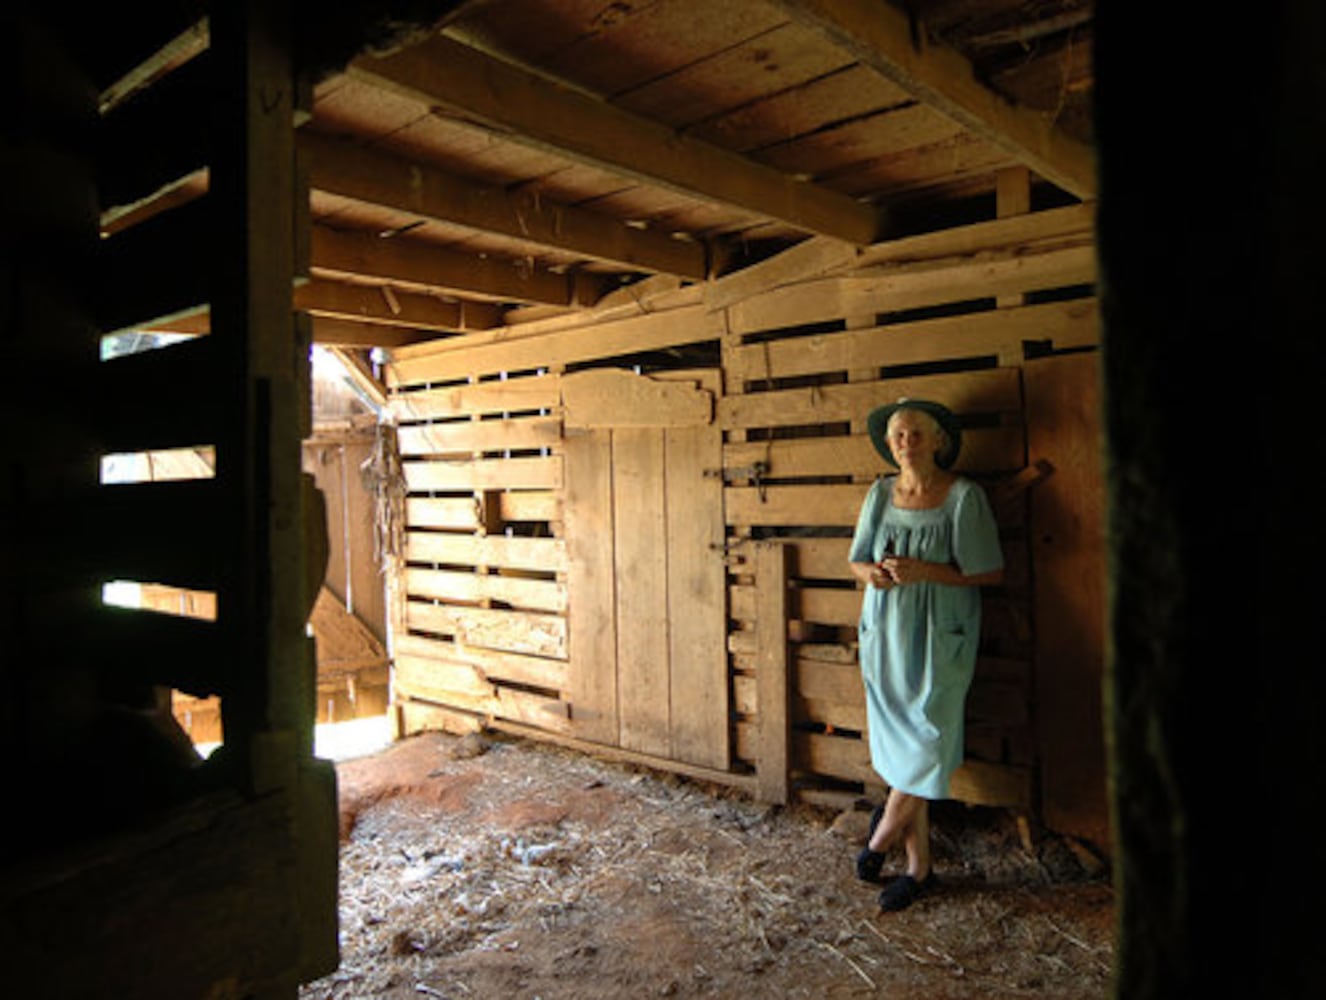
(944,441)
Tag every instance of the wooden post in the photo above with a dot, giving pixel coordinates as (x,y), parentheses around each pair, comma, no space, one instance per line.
(264,600)
(1012,197)
(771,672)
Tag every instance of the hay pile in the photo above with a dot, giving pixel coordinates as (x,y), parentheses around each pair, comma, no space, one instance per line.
(480,868)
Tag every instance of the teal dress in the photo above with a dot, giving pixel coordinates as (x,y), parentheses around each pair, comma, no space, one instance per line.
(918,641)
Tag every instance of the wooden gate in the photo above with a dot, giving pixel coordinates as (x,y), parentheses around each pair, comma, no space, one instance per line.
(646,581)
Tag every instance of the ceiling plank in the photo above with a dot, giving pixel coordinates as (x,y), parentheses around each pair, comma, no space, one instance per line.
(352,171)
(535,111)
(402,261)
(880,36)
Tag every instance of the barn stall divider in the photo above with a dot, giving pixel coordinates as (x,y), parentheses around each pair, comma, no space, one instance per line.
(629,530)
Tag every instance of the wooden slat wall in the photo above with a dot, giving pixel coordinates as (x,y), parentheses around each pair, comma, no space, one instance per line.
(952,315)
(953,320)
(481,624)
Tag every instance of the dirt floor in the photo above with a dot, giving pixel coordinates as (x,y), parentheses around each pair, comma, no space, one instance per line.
(489,867)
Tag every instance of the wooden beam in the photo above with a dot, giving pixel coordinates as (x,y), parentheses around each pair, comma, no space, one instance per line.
(881,36)
(741,782)
(367,315)
(180,49)
(351,171)
(429,266)
(358,371)
(642,333)
(383,305)
(540,113)
(772,667)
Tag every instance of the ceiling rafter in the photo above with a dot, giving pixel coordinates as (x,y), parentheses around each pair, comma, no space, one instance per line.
(415,263)
(353,171)
(535,111)
(882,37)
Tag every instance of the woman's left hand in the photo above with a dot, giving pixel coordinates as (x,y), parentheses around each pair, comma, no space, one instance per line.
(904,570)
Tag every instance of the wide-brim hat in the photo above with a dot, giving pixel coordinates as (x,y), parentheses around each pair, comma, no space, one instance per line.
(878,425)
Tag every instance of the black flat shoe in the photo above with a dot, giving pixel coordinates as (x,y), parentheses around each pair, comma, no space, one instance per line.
(869,864)
(905,890)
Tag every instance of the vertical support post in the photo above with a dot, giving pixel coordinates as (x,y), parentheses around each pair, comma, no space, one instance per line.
(1012,197)
(771,672)
(267,589)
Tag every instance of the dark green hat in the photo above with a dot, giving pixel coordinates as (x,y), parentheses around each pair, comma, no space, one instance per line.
(878,425)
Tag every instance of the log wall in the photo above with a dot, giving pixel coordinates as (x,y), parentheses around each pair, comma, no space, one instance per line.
(500,623)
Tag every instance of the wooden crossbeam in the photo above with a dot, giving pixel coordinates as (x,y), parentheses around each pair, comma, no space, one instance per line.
(535,111)
(350,170)
(880,35)
(427,266)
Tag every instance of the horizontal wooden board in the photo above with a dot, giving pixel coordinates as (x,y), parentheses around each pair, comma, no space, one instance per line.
(455,513)
(825,606)
(1051,227)
(988,784)
(836,716)
(538,472)
(163,398)
(807,604)
(616,398)
(929,283)
(515,631)
(193,655)
(834,682)
(535,595)
(997,332)
(984,450)
(787,506)
(461,436)
(546,554)
(819,256)
(498,396)
(650,332)
(178,601)
(821,558)
(515,668)
(975,782)
(137,531)
(423,683)
(995,390)
(440,680)
(530,505)
(422,716)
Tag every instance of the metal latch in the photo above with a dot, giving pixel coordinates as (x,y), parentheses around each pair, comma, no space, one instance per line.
(755,472)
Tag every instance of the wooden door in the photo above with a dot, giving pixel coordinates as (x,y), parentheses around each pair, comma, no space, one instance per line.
(1068,545)
(646,582)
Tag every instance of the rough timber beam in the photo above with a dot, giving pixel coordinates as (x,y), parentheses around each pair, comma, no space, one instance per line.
(409,263)
(537,112)
(881,37)
(351,171)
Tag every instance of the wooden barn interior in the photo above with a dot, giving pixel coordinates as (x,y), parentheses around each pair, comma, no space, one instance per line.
(609,289)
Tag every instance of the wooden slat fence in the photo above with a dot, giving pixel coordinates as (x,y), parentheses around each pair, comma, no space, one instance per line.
(488,627)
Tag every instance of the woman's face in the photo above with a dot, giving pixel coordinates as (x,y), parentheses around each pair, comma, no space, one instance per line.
(913,438)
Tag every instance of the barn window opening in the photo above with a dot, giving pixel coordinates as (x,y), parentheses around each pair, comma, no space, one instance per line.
(165,465)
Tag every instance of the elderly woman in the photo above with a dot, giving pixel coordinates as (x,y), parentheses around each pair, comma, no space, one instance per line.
(925,543)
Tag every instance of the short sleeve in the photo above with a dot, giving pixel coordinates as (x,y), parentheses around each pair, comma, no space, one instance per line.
(975,535)
(863,541)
